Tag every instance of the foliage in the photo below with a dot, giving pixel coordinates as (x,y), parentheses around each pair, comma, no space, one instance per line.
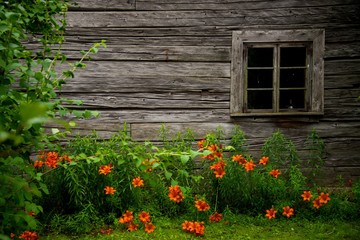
(175,180)
(29,97)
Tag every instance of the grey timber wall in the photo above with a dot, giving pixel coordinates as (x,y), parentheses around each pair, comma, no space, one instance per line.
(168,61)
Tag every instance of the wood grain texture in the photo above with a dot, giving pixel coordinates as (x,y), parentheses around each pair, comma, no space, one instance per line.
(169,61)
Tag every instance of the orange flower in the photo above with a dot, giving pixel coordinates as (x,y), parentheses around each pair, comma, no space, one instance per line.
(188,226)
(144,217)
(219,168)
(200,144)
(288,211)
(249,165)
(109,190)
(215,217)
(239,159)
(138,182)
(175,194)
(199,228)
(132,227)
(306,196)
(65,158)
(51,159)
(264,160)
(324,198)
(202,205)
(127,217)
(27,235)
(275,173)
(106,231)
(105,169)
(317,203)
(38,164)
(270,213)
(149,227)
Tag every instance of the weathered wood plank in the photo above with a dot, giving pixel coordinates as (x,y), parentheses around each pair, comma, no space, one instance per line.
(102,5)
(151,100)
(230,4)
(152,53)
(149,131)
(340,14)
(115,52)
(140,84)
(155,69)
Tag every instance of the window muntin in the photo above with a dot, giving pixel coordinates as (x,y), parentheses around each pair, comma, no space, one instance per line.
(277,72)
(276,77)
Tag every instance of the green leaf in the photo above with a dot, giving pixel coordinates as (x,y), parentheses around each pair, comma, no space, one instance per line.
(121,162)
(168,175)
(72,123)
(184,159)
(155,165)
(173,182)
(55,131)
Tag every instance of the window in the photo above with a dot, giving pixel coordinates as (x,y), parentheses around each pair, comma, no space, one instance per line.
(279,72)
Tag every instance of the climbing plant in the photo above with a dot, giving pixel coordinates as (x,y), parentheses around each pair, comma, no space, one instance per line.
(30,83)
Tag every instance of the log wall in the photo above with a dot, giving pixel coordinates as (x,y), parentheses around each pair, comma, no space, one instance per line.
(168,61)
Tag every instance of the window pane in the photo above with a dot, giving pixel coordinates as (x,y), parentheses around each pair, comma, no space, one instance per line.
(290,99)
(259,99)
(260,57)
(292,78)
(260,78)
(292,56)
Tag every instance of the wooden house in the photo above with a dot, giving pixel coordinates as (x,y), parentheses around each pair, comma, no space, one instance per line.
(264,65)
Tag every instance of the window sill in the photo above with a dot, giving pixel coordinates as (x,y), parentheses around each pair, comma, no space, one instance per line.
(269,114)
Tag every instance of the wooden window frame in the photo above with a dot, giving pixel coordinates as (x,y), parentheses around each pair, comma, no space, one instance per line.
(315,81)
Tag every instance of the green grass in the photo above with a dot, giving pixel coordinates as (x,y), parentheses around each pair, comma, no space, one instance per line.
(239,227)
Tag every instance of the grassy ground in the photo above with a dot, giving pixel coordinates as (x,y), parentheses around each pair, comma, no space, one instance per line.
(240,227)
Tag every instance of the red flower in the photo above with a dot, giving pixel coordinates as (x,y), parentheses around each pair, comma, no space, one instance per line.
(38,164)
(149,227)
(109,190)
(264,160)
(202,205)
(106,231)
(324,198)
(175,194)
(270,213)
(27,235)
(199,228)
(138,182)
(200,144)
(306,196)
(105,169)
(317,203)
(239,159)
(215,217)
(249,165)
(288,211)
(127,217)
(275,173)
(219,168)
(144,217)
(52,159)
(132,226)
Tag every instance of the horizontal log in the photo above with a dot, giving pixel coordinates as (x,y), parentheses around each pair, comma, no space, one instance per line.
(116,52)
(149,131)
(102,5)
(144,84)
(339,14)
(106,69)
(151,100)
(166,5)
